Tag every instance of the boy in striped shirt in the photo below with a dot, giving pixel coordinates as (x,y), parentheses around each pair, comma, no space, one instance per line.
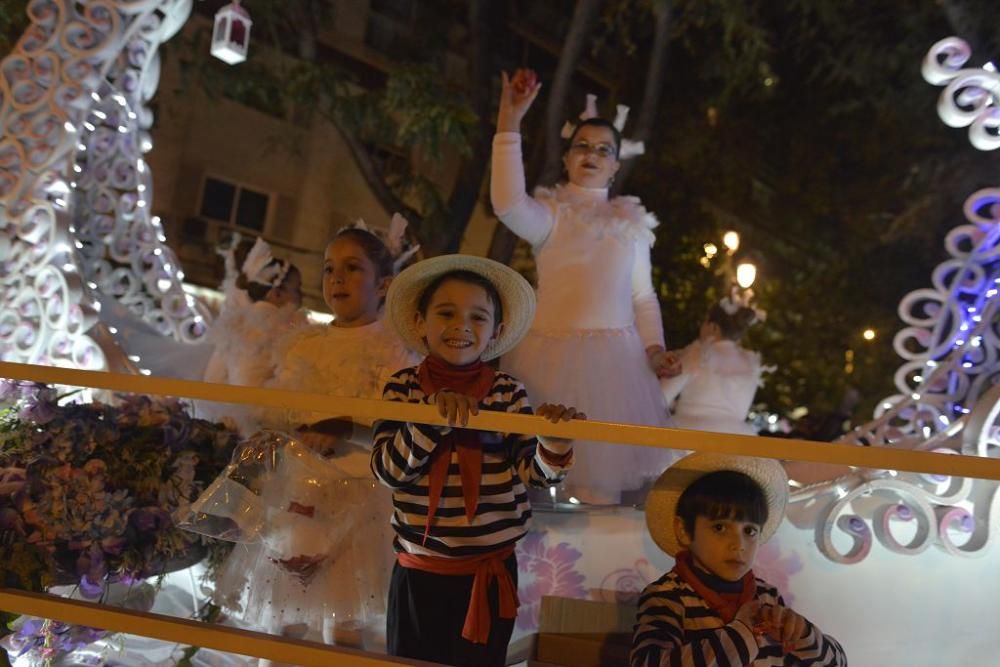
(711,512)
(459,496)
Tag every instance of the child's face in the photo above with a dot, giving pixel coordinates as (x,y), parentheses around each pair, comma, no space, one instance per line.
(724,547)
(590,161)
(459,323)
(352,287)
(289,292)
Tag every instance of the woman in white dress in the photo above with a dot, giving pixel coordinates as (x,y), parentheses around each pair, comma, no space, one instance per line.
(716,388)
(597,339)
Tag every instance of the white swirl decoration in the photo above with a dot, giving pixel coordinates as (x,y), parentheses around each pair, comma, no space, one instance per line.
(948,398)
(75,193)
(970,96)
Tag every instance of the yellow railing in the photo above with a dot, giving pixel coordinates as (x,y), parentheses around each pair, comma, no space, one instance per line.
(299,652)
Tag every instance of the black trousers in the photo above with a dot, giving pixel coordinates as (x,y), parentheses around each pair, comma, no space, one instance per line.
(426,614)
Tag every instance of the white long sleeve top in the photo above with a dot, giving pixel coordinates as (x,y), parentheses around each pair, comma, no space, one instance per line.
(593,254)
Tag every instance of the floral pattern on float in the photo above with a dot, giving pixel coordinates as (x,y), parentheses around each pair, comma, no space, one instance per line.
(545,570)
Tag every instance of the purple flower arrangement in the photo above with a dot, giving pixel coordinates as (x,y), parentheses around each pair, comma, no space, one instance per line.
(87,491)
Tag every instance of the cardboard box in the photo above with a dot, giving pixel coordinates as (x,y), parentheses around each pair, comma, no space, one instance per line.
(581,633)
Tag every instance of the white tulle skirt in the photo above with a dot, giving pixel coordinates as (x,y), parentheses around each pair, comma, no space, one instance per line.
(604,373)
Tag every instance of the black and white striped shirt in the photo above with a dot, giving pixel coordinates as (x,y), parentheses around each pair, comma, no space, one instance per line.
(401,460)
(676,628)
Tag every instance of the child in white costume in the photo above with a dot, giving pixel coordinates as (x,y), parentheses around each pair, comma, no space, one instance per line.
(263,303)
(354,356)
(720,378)
(597,339)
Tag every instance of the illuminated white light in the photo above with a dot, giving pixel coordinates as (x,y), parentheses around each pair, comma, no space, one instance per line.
(146,145)
(732,241)
(60,202)
(72,229)
(97,306)
(991,292)
(886,406)
(746,274)
(73,184)
(67,266)
(943,420)
(161,238)
(140,166)
(122,129)
(916,397)
(977,318)
(931,363)
(927,433)
(134,357)
(967,365)
(975,342)
(78,244)
(97,98)
(552,492)
(145,371)
(100,114)
(131,114)
(141,187)
(971,309)
(155,220)
(893,473)
(77,168)
(88,125)
(157,252)
(918,378)
(868,334)
(795,485)
(990,67)
(964,327)
(69,126)
(92,285)
(113,330)
(81,147)
(141,203)
(959,342)
(573,501)
(180,275)
(120,99)
(163,284)
(711,250)
(168,267)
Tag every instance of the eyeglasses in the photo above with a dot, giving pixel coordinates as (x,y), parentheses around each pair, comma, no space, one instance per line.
(602,150)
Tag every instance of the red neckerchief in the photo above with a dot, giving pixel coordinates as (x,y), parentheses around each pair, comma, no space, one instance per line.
(684,567)
(475,380)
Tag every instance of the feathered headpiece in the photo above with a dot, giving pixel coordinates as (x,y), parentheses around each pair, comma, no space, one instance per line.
(628,149)
(742,298)
(260,267)
(395,239)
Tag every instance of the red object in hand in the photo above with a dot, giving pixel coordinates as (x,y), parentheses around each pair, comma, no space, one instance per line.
(524,81)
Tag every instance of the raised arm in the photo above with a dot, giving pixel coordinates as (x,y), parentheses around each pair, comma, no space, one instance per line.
(523,215)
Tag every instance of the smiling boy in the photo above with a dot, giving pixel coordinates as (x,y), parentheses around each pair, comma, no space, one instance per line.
(459,496)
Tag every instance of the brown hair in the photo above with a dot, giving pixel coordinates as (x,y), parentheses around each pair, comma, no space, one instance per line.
(732,326)
(373,247)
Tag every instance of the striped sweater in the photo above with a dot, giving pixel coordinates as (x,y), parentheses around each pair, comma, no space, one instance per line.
(401,460)
(676,628)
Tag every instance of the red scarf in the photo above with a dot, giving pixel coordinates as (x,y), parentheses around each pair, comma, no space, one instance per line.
(724,605)
(475,380)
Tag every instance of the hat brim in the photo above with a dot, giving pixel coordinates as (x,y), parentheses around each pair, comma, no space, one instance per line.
(516,297)
(661,503)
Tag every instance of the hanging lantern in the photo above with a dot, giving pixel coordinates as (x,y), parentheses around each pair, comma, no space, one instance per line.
(231,35)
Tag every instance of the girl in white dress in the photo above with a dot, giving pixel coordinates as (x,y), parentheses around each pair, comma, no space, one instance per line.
(597,340)
(716,388)
(279,584)
(263,303)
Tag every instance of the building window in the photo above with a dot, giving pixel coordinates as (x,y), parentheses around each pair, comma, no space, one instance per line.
(234,204)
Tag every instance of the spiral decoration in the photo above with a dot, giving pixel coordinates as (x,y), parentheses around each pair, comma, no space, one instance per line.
(948,398)
(75,192)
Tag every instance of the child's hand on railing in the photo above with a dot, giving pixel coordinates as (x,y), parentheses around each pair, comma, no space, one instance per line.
(555,414)
(455,407)
(781,625)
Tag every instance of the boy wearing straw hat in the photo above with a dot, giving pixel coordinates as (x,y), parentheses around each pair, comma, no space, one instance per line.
(459,496)
(711,512)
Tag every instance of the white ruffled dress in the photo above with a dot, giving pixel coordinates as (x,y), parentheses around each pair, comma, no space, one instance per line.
(344,603)
(597,313)
(716,388)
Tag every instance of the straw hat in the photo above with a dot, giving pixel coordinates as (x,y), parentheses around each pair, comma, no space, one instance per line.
(516,296)
(661,503)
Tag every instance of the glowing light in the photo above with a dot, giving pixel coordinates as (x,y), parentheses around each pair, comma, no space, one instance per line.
(89,126)
(100,114)
(141,187)
(732,241)
(841,492)
(113,330)
(133,357)
(158,251)
(711,250)
(81,147)
(573,501)
(77,168)
(746,274)
(163,284)
(96,97)
(918,378)
(69,126)
(868,334)
(145,371)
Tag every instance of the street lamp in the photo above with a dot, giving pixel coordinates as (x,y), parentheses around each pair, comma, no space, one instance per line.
(746,274)
(868,334)
(732,241)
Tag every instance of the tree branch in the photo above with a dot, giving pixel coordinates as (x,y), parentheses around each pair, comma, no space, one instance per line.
(584,16)
(654,84)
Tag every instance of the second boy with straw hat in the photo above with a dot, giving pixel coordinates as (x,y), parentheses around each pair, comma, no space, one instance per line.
(711,512)
(459,495)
